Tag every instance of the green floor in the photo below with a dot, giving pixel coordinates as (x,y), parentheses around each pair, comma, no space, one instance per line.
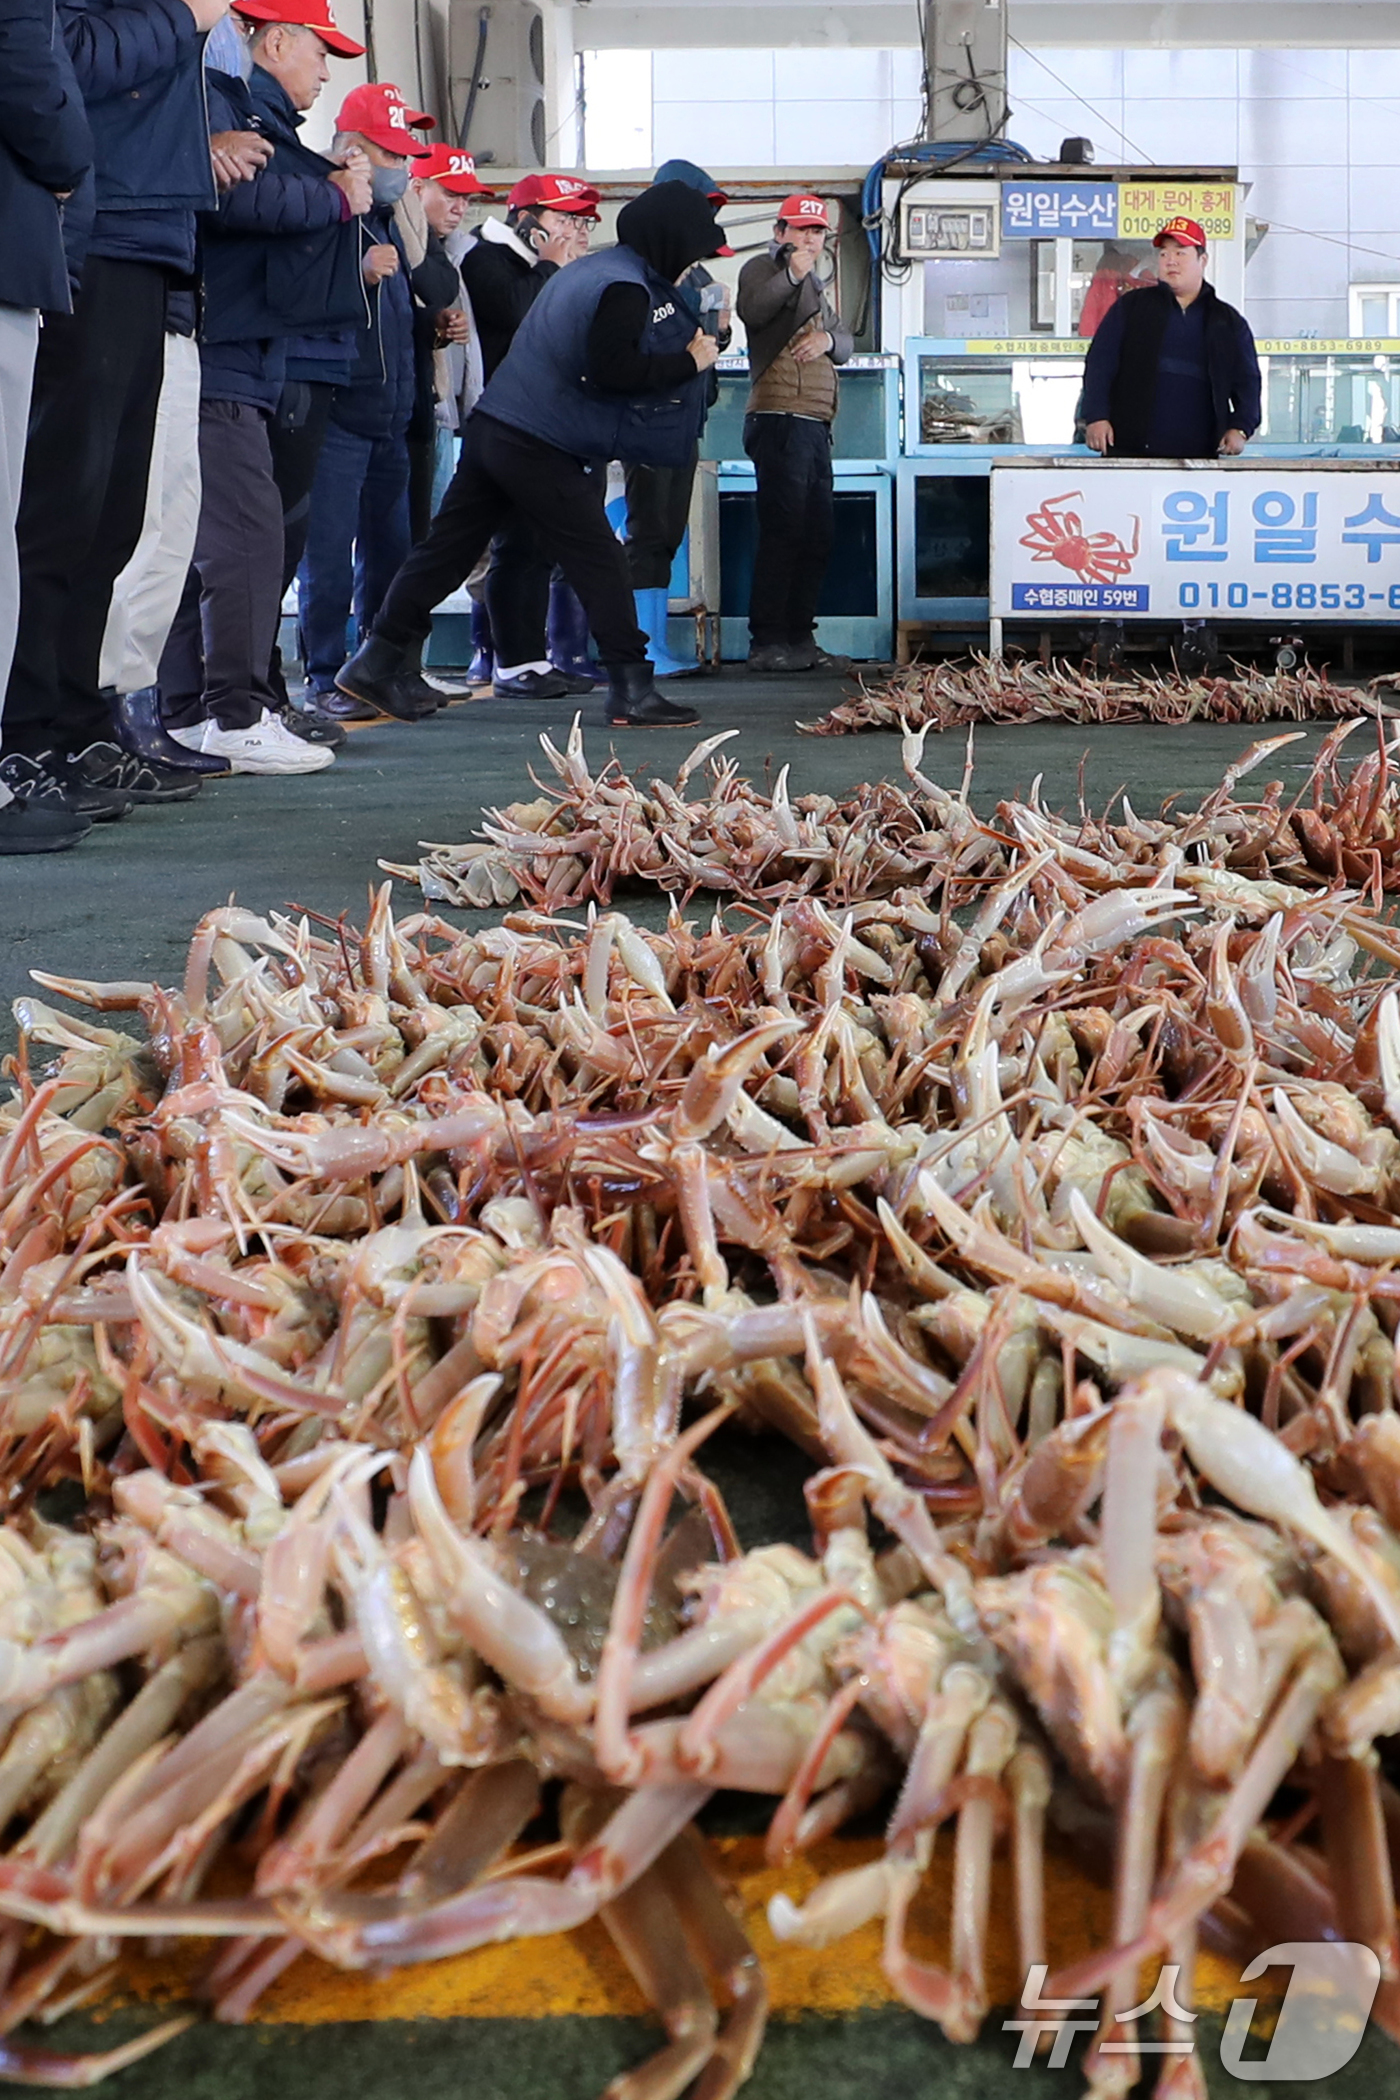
(123,905)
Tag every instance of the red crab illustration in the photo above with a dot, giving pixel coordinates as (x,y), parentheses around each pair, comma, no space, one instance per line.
(1099,557)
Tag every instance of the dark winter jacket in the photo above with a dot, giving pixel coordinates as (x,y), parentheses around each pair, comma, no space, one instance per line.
(377,400)
(140,73)
(324,354)
(244,274)
(282,252)
(1172,406)
(503,282)
(436,286)
(45,146)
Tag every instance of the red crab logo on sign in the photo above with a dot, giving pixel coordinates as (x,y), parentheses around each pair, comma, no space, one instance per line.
(1059,535)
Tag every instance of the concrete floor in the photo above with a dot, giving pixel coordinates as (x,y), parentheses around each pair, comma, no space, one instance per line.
(123,905)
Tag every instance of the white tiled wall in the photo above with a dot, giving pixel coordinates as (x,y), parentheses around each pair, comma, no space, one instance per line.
(1316,133)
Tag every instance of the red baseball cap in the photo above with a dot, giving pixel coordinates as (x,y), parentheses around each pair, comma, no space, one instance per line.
(302,14)
(380,114)
(1186,231)
(555,193)
(804,211)
(453,168)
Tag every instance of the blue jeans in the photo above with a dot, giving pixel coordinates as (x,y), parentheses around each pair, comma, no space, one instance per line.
(357,537)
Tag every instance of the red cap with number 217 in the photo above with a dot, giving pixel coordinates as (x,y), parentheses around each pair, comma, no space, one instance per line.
(798,210)
(1186,231)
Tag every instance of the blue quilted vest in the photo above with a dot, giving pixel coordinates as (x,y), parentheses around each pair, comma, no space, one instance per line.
(540,388)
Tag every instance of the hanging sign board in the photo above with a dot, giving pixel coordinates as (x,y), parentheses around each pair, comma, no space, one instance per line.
(1145,207)
(1170,542)
(1035,211)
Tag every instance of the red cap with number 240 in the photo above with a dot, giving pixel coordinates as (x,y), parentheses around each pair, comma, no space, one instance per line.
(454,169)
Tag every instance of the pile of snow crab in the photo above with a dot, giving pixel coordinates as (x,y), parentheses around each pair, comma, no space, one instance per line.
(370,1301)
(951,695)
(596,834)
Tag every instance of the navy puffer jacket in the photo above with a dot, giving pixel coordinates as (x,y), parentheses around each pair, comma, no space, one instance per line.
(140,72)
(45,145)
(377,401)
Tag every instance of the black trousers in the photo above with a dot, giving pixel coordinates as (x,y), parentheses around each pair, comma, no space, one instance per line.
(796,517)
(658,511)
(501,471)
(295,435)
(86,465)
(422,465)
(517,594)
(215,661)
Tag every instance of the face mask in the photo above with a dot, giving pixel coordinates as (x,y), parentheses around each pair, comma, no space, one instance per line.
(387,185)
(227,49)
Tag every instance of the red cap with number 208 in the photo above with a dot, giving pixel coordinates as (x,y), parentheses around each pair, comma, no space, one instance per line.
(1186,231)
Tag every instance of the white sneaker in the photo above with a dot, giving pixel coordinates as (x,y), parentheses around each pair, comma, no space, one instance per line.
(268,747)
(192,738)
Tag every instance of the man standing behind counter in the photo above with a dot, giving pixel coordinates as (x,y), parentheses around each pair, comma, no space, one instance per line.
(1172,373)
(795,343)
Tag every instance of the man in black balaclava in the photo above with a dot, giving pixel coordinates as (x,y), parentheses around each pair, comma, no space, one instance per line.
(609,363)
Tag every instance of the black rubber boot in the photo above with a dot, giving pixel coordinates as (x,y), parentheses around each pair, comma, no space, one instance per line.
(375,674)
(634,703)
(1198,652)
(430,697)
(567,639)
(1109,642)
(482,668)
(139,729)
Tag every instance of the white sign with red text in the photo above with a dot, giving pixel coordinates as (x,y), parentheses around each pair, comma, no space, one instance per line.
(1262,542)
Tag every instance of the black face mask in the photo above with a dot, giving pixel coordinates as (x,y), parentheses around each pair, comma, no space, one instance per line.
(670,226)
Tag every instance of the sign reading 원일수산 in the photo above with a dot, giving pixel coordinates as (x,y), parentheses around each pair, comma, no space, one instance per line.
(1041,210)
(1185,542)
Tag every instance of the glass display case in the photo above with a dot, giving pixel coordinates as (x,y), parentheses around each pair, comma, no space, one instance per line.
(855,612)
(1339,395)
(993,393)
(867,412)
(1331,393)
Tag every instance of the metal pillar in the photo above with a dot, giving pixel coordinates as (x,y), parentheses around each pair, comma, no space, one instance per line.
(965,65)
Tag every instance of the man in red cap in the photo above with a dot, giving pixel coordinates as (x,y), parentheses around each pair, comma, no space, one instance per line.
(444,186)
(282,253)
(358,527)
(441,190)
(1172,373)
(796,342)
(547,222)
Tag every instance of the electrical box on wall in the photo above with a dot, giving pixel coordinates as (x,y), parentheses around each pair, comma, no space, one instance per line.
(496,62)
(961,219)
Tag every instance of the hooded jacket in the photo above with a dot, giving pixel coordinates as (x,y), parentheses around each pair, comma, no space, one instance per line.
(600,366)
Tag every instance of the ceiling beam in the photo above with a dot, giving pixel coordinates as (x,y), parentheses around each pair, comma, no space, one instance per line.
(1105,25)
